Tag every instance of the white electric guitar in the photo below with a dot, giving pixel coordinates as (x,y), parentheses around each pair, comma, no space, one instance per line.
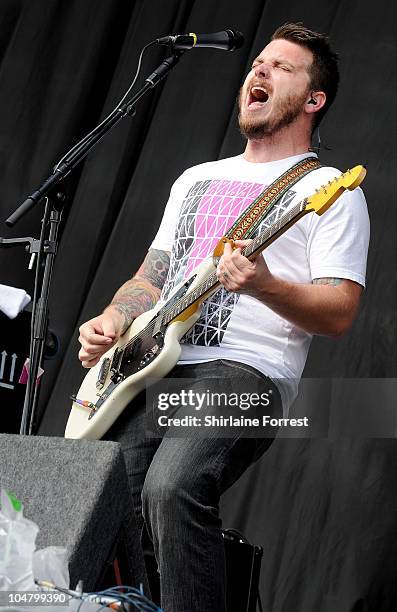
(150,347)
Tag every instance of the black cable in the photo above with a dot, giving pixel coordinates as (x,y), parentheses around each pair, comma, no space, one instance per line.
(79,144)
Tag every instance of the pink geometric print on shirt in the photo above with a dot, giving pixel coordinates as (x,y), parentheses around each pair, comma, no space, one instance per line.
(218,209)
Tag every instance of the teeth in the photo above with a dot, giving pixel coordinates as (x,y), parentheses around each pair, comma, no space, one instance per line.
(259,93)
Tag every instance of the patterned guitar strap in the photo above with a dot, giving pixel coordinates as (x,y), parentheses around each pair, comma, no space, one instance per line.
(253,216)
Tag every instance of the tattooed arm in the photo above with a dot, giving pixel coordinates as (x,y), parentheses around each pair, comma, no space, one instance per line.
(141,292)
(328,281)
(136,296)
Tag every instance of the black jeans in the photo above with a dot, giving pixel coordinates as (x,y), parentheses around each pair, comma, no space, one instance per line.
(176,484)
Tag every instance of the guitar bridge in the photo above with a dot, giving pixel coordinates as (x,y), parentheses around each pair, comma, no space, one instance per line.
(103,372)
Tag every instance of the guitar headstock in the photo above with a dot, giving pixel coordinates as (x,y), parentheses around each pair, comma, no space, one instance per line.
(320,201)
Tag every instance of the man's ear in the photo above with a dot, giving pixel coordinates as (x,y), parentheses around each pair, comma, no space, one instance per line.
(315,101)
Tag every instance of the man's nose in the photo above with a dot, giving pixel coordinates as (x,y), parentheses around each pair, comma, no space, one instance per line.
(262,70)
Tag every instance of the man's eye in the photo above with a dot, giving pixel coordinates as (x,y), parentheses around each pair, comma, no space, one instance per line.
(283,67)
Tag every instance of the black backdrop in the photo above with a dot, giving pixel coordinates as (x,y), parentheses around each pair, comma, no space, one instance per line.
(64,65)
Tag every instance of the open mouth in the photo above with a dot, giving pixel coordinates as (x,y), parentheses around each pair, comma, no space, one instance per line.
(258,96)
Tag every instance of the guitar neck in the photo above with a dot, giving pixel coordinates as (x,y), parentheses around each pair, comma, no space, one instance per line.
(263,240)
(269,235)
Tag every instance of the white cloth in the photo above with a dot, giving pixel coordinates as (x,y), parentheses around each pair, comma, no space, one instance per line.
(204,202)
(13,300)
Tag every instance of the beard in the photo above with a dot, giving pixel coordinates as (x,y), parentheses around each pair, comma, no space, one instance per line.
(289,108)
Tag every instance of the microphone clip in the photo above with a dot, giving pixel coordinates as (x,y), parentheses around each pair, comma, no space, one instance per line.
(181,42)
(226,40)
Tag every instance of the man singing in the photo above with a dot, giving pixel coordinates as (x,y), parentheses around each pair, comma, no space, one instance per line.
(258,326)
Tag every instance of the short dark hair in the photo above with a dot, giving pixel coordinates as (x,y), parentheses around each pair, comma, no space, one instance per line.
(324,71)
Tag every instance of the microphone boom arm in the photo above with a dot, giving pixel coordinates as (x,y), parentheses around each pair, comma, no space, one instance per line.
(80,152)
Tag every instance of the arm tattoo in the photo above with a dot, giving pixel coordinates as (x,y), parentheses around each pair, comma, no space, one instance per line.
(155,268)
(142,292)
(327,281)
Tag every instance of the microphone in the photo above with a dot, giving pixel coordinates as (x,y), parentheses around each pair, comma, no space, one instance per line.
(227,40)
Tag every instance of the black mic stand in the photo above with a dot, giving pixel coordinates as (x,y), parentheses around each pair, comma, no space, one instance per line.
(38,248)
(55,200)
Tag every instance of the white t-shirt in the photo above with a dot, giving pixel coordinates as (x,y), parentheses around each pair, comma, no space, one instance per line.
(204,203)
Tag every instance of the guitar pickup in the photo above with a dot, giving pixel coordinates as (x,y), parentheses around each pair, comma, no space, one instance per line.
(149,356)
(131,350)
(158,324)
(118,353)
(159,337)
(115,373)
(103,372)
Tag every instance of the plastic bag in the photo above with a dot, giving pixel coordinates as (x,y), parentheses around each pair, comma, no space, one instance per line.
(21,564)
(51,565)
(17,543)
